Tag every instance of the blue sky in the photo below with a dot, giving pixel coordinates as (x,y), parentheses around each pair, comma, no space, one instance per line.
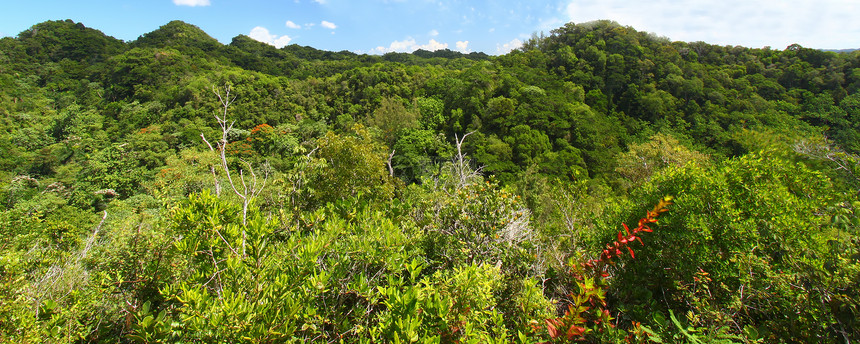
(493,27)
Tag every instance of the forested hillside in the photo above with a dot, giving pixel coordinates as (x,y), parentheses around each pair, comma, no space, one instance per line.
(176,189)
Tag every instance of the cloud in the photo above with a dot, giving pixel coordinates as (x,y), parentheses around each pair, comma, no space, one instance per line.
(409,45)
(507,47)
(262,34)
(328,25)
(282,41)
(192,3)
(292,25)
(463,46)
(775,23)
(433,33)
(321,2)
(433,45)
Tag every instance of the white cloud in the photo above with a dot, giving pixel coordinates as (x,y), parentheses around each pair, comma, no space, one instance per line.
(282,41)
(328,25)
(433,45)
(433,33)
(775,23)
(402,46)
(192,3)
(262,34)
(409,45)
(507,47)
(292,25)
(463,46)
(321,2)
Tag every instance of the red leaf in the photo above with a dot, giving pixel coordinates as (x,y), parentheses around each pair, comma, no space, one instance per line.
(625,228)
(631,252)
(550,325)
(575,331)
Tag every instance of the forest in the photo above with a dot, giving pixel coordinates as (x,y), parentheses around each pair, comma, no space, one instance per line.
(599,184)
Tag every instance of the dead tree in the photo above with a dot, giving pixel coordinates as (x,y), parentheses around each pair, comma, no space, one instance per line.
(463,170)
(390,168)
(247,190)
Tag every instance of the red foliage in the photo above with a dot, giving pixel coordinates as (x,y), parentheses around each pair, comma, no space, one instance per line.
(240,149)
(262,127)
(614,249)
(589,304)
(150,129)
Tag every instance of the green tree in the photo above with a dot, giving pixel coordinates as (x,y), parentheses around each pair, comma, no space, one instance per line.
(528,145)
(660,151)
(354,167)
(391,117)
(417,152)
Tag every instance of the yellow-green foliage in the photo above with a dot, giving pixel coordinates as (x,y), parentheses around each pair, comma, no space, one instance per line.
(353,165)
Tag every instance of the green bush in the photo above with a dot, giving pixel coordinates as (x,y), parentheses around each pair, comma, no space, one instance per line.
(748,244)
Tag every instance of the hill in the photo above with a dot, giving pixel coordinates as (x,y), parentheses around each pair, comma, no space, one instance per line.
(57,40)
(176,189)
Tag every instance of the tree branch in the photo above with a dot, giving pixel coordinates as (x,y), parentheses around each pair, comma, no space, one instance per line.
(390,169)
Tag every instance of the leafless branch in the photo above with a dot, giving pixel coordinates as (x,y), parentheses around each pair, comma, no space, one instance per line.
(207,142)
(462,166)
(212,168)
(312,151)
(390,169)
(92,239)
(248,192)
(226,243)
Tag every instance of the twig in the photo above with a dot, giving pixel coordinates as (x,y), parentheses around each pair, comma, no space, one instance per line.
(92,237)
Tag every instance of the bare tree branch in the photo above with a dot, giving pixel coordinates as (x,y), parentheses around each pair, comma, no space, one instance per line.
(462,167)
(212,168)
(92,239)
(390,169)
(248,192)
(312,151)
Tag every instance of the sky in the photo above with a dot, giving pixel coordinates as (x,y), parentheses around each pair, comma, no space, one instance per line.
(492,27)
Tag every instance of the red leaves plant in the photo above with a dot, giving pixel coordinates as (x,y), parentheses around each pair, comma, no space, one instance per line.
(590,301)
(614,249)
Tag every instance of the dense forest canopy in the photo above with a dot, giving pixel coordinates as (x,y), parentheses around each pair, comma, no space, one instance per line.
(174,188)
